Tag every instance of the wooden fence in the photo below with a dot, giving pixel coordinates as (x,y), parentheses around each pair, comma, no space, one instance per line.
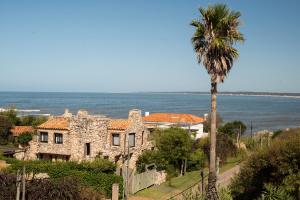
(142,181)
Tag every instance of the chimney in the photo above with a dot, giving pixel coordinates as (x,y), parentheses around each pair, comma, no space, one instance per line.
(135,115)
(205,116)
(67,113)
(147,114)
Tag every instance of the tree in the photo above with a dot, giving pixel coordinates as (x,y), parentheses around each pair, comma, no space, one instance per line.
(175,145)
(207,122)
(5,125)
(25,138)
(233,128)
(216,33)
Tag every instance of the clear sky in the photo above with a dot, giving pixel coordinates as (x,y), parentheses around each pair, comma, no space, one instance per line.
(132,46)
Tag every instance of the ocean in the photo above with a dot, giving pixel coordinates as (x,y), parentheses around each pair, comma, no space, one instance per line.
(271,112)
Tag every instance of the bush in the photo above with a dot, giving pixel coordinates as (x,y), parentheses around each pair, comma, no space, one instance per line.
(196,160)
(225,147)
(279,164)
(232,128)
(150,157)
(24,138)
(97,174)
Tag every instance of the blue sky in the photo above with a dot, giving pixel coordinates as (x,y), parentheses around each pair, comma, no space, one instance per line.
(132,46)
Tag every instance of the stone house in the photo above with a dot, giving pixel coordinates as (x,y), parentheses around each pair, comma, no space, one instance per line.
(84,137)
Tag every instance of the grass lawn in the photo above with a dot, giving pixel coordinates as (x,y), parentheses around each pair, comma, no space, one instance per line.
(180,183)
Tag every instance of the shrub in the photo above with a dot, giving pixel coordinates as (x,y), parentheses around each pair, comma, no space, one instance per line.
(196,160)
(98,174)
(269,165)
(225,147)
(233,128)
(274,193)
(36,189)
(24,138)
(149,157)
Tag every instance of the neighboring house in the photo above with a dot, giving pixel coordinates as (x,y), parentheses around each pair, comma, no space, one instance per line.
(84,137)
(192,123)
(18,130)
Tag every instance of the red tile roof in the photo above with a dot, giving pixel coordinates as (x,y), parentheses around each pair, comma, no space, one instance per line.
(55,123)
(118,124)
(173,118)
(17,130)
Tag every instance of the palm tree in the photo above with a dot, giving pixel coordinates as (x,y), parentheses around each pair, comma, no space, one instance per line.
(215,34)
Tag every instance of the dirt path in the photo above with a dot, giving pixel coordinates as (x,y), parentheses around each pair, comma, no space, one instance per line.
(225,178)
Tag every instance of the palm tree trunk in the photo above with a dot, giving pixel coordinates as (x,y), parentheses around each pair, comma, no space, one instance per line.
(212,178)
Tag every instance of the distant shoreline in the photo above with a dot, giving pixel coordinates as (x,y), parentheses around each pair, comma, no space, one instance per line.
(266,94)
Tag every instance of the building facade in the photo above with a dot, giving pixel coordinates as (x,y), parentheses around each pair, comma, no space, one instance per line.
(83,137)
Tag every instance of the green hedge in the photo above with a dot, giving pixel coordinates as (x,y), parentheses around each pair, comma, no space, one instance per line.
(97,174)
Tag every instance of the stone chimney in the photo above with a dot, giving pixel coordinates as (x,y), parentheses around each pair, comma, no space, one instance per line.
(82,113)
(135,115)
(67,113)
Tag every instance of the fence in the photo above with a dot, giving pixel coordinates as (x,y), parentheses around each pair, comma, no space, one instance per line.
(142,181)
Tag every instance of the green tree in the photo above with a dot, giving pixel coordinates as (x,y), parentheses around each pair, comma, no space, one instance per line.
(216,32)
(233,128)
(5,125)
(32,120)
(25,138)
(175,145)
(207,122)
(11,114)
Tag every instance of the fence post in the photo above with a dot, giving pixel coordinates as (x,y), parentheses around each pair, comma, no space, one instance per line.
(23,183)
(115,191)
(18,185)
(202,181)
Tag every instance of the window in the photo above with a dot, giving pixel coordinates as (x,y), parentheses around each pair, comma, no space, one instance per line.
(58,138)
(44,137)
(116,139)
(87,149)
(131,139)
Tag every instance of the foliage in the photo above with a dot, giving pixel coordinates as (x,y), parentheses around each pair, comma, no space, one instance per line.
(65,188)
(274,193)
(149,157)
(24,138)
(224,193)
(32,120)
(225,147)
(97,174)
(174,145)
(279,164)
(207,122)
(11,114)
(196,160)
(5,125)
(233,128)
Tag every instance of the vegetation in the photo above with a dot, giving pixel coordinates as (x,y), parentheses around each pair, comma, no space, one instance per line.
(98,174)
(65,188)
(277,165)
(5,126)
(174,153)
(216,32)
(207,122)
(9,118)
(233,128)
(24,138)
